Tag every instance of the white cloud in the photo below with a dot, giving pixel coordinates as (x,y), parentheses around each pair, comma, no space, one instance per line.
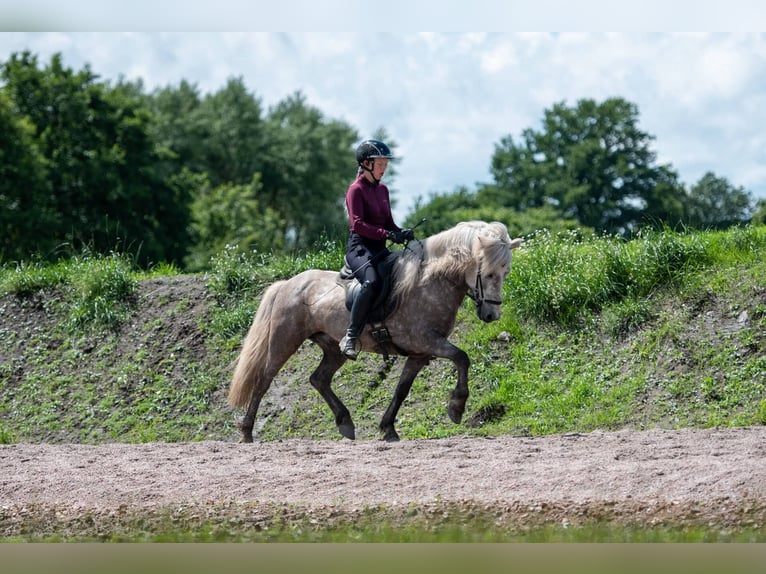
(499,57)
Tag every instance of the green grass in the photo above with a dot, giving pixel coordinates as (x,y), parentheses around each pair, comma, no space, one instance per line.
(231,522)
(596,333)
(593,336)
(237,279)
(97,289)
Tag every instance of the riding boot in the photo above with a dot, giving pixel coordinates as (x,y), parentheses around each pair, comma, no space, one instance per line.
(359,311)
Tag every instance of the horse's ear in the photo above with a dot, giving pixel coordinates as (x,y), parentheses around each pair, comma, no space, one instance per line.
(516,242)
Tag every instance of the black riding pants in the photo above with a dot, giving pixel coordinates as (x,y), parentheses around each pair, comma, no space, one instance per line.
(363,256)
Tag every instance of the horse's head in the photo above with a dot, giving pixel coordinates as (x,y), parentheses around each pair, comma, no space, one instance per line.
(492,258)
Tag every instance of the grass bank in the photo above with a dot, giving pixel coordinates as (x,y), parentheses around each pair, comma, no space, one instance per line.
(666,330)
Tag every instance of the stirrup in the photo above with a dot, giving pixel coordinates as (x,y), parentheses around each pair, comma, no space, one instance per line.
(348,347)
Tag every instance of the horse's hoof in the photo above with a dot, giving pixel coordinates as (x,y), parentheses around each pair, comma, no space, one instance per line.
(347,430)
(246,439)
(455,415)
(391,437)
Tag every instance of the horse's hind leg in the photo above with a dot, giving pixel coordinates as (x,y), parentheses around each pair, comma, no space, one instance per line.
(411,369)
(248,421)
(321,379)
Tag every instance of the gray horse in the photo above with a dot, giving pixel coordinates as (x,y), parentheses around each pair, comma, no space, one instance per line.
(430,280)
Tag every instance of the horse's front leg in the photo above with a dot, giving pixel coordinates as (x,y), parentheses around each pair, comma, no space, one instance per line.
(411,369)
(459,394)
(321,380)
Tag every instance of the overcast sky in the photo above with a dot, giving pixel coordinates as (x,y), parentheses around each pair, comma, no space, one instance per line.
(448,98)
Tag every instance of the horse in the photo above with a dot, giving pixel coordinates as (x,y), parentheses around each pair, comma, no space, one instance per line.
(430,279)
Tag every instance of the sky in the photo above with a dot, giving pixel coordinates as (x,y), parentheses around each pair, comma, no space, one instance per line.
(446,98)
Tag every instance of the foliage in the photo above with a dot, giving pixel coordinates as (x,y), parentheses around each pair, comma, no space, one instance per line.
(174,175)
(231,215)
(642,352)
(665,330)
(713,203)
(443,211)
(103,287)
(25,212)
(563,277)
(283,161)
(99,288)
(105,192)
(591,162)
(111,168)
(238,278)
(759,215)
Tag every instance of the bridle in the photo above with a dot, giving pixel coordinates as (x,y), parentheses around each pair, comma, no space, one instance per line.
(478,292)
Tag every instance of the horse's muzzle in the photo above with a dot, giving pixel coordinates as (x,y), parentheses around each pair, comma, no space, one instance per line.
(488,313)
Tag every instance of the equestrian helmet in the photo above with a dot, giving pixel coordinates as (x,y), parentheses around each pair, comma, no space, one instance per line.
(370,149)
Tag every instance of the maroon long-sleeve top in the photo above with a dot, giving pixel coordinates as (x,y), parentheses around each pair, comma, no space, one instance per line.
(369,209)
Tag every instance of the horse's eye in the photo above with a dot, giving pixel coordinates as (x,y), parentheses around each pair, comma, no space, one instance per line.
(491,276)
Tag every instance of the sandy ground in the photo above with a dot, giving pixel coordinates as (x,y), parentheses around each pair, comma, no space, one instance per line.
(709,477)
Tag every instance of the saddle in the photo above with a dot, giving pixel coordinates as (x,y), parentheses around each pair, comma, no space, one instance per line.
(383,305)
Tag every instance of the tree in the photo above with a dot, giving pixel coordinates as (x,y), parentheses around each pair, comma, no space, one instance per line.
(309,165)
(714,203)
(759,217)
(178,129)
(230,215)
(303,161)
(106,192)
(446,210)
(25,207)
(235,138)
(590,162)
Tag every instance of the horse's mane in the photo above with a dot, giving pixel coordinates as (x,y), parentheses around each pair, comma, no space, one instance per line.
(450,253)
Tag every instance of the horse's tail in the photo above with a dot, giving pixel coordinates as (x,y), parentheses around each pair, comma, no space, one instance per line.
(254,357)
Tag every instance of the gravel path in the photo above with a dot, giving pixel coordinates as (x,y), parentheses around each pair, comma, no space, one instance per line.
(714,477)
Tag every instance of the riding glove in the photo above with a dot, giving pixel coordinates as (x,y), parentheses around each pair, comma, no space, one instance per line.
(401,236)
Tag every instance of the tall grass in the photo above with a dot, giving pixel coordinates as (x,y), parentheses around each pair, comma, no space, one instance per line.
(564,277)
(98,288)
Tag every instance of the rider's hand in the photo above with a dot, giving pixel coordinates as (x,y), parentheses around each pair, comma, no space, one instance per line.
(408,234)
(395,236)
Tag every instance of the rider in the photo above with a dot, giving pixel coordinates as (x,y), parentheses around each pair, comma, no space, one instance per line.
(371,224)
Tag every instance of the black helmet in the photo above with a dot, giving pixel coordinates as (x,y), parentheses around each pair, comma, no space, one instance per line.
(370,149)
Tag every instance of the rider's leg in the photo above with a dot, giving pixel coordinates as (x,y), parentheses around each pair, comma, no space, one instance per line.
(359,311)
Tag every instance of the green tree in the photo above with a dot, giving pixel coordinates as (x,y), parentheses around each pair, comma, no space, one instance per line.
(106,191)
(230,214)
(444,211)
(178,129)
(715,203)
(759,217)
(234,137)
(303,161)
(310,163)
(26,214)
(590,162)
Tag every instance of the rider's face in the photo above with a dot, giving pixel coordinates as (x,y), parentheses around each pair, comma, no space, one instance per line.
(378,167)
